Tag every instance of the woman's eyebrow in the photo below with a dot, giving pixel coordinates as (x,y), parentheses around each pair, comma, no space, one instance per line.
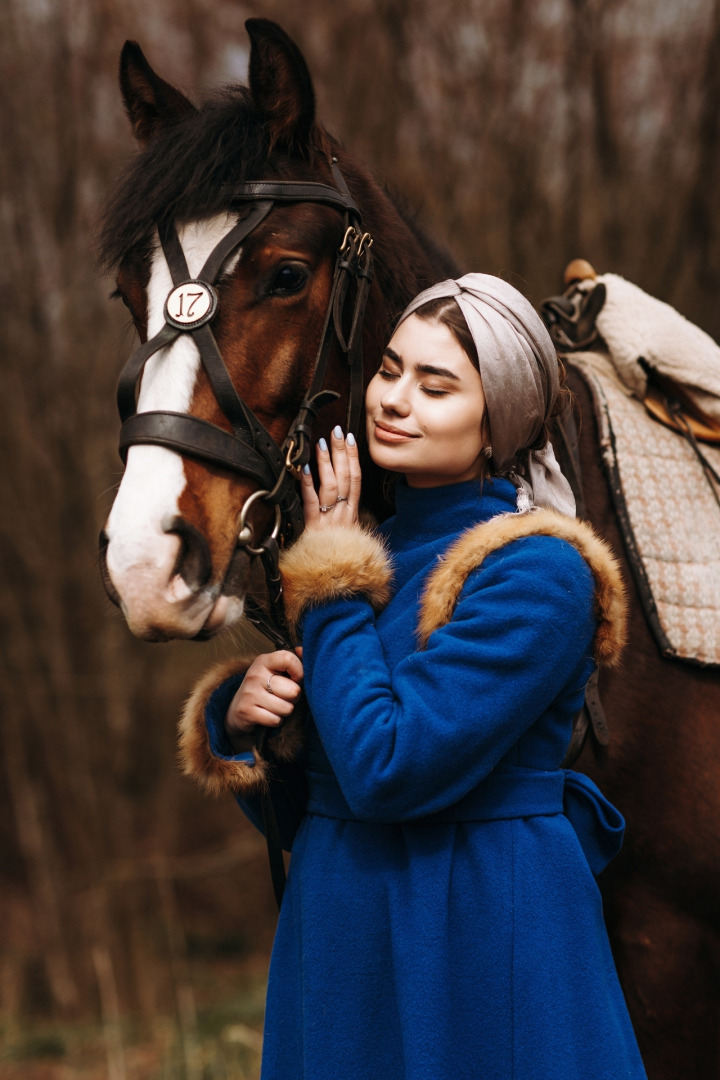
(424,369)
(430,369)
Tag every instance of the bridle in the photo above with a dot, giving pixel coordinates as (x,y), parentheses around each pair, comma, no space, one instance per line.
(249,449)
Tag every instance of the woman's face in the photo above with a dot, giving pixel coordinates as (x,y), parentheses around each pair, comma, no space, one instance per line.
(424,407)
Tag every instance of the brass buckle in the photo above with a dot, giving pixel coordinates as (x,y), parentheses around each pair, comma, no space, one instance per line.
(292,467)
(351,237)
(366,242)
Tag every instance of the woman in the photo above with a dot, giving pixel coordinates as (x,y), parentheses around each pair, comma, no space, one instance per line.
(441,918)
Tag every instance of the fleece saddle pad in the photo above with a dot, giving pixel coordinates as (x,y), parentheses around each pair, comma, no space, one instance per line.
(668,514)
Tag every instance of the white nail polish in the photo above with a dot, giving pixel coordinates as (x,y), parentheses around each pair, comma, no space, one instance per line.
(337,432)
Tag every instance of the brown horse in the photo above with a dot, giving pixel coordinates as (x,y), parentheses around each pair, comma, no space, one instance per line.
(661,767)
(170,549)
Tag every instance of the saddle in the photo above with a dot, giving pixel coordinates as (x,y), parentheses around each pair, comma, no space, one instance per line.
(655,383)
(667,362)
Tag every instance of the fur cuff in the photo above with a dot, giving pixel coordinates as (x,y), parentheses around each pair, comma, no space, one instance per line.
(468,552)
(219,775)
(334,564)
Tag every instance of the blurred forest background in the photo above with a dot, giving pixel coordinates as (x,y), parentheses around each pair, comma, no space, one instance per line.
(136,917)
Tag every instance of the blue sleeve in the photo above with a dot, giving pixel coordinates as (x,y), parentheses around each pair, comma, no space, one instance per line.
(408,742)
(287,788)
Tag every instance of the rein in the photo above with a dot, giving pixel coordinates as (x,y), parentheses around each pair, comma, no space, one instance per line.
(249,449)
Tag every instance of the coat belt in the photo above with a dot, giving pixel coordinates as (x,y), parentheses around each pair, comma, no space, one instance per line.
(506,793)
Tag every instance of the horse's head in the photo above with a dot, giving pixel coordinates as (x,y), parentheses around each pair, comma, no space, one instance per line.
(244,195)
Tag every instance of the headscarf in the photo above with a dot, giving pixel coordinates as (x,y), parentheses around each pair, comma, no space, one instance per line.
(519,372)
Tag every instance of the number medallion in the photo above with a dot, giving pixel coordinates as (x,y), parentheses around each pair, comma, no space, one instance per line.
(190,305)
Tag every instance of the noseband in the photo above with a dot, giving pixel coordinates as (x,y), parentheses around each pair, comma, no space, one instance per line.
(249,450)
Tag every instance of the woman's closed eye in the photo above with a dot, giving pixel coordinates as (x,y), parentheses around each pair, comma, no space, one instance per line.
(391,376)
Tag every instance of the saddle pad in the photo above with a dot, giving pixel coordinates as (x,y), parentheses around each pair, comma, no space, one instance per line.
(668,515)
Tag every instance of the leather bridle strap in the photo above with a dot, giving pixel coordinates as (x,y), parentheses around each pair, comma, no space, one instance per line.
(249,449)
(191,435)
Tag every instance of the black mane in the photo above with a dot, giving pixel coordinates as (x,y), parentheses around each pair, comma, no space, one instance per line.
(187,171)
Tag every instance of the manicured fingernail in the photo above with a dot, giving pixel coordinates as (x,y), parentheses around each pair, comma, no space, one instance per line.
(350,439)
(322,444)
(306,470)
(337,432)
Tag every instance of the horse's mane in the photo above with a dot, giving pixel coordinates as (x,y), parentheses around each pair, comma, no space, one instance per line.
(187,171)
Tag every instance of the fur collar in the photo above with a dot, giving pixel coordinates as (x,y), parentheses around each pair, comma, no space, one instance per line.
(344,562)
(473,546)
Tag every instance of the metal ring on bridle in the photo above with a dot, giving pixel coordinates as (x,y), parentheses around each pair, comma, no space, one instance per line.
(245,533)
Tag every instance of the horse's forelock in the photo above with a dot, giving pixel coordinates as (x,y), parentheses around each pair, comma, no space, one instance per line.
(188,170)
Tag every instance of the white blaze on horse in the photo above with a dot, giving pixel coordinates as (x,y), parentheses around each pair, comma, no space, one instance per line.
(145,547)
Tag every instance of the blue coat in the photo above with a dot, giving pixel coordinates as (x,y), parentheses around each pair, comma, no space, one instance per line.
(441,918)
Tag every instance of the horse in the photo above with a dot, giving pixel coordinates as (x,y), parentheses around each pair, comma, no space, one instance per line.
(660,765)
(258,187)
(185,543)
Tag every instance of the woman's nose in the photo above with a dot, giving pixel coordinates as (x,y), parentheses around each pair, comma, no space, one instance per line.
(395,398)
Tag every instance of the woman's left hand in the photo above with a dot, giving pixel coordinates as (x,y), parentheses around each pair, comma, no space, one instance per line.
(337,501)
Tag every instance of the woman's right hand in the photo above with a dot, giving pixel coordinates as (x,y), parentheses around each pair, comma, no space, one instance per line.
(267,694)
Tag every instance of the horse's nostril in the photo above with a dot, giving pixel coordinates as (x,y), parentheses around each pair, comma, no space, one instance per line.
(103,541)
(194,563)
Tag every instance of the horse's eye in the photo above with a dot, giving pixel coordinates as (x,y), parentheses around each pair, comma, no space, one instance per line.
(118,295)
(290,278)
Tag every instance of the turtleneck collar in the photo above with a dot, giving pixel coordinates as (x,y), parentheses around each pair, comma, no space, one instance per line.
(431,513)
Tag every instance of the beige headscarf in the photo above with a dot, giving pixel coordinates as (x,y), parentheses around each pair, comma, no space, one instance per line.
(519,372)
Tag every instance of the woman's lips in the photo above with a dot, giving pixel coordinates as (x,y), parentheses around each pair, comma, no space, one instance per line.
(390,434)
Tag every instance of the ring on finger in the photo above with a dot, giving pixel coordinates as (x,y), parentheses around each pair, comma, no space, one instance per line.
(341,498)
(324,509)
(268,686)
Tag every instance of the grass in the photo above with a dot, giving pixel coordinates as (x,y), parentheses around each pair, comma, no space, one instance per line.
(224,1043)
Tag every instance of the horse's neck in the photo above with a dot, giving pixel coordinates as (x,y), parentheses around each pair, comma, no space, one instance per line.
(406,259)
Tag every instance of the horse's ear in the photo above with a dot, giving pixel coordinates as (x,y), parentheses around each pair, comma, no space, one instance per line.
(280,84)
(150,101)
